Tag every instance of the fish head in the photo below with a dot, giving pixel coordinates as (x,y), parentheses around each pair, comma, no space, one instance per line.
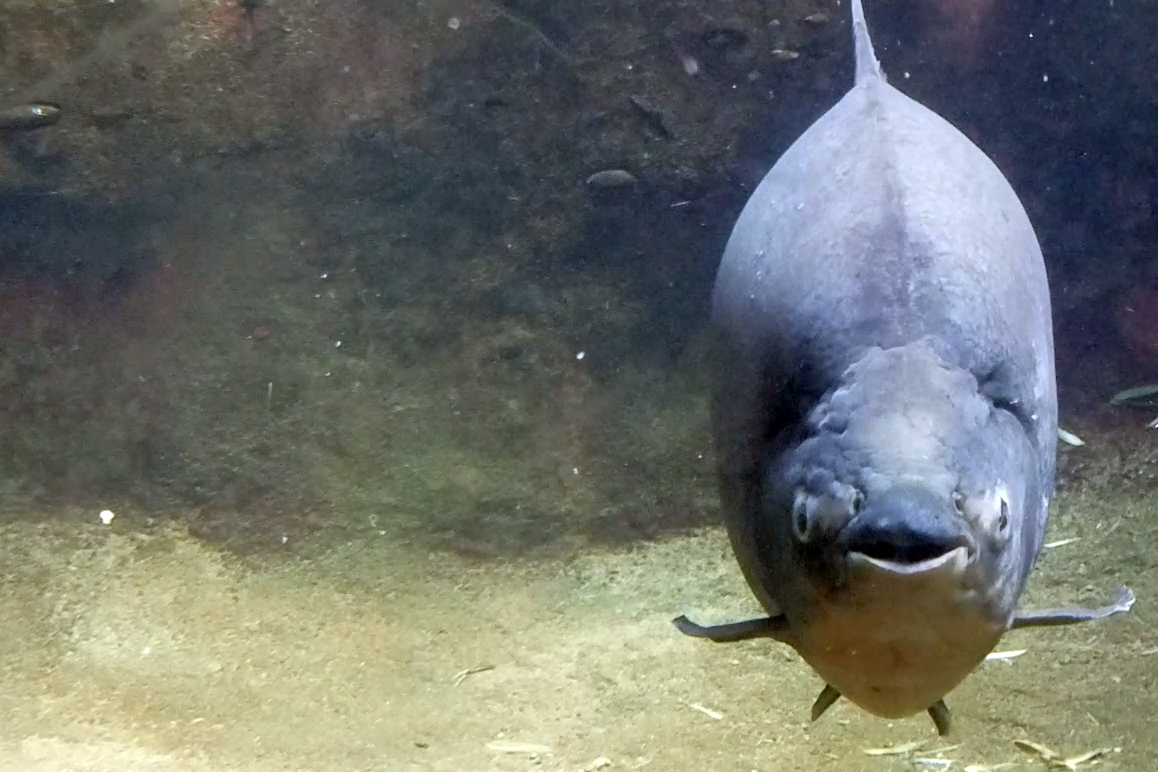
(908,515)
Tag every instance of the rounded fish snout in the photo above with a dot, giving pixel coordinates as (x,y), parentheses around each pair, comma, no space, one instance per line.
(907,526)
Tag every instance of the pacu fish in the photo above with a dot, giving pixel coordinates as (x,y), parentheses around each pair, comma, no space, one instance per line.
(885,410)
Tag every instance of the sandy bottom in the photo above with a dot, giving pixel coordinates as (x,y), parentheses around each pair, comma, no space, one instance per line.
(135,651)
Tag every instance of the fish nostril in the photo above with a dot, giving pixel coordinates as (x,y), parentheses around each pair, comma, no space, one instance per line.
(801,523)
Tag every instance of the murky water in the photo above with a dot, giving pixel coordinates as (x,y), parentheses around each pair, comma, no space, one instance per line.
(403,426)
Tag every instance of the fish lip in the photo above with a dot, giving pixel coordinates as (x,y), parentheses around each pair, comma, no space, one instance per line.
(956,560)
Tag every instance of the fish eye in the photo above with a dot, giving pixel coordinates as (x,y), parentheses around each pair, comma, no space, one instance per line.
(959,503)
(1003,520)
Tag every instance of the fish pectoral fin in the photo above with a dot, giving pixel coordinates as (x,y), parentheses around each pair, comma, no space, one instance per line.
(767,627)
(1074,614)
(828,695)
(939,712)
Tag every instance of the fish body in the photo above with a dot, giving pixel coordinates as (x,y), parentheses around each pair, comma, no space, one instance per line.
(885,411)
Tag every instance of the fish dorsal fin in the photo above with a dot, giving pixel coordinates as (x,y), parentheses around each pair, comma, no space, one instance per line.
(867,66)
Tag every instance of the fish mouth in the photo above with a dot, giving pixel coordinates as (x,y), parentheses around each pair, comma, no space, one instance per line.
(909,530)
(953,562)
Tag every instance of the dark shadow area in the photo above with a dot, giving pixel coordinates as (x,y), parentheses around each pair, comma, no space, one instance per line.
(69,271)
(95,248)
